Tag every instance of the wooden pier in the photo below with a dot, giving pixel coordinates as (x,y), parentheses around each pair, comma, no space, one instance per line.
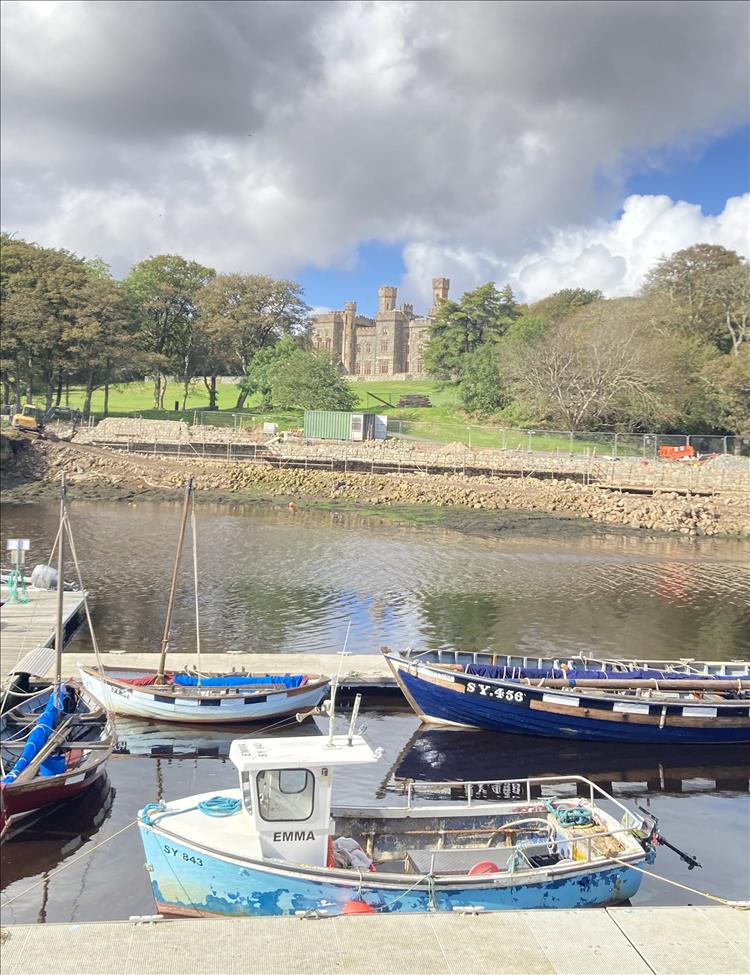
(615,941)
(24,627)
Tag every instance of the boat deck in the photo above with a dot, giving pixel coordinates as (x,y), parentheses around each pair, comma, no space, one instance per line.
(618,941)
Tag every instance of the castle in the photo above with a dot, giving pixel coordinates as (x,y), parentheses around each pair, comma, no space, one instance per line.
(391,344)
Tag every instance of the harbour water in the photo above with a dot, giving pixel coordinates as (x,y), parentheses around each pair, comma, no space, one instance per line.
(271,580)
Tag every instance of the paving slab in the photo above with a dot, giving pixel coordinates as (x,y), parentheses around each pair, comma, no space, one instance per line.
(497,944)
(686,940)
(585,943)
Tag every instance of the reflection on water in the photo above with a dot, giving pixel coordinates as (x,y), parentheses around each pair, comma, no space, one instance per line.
(276,581)
(701,801)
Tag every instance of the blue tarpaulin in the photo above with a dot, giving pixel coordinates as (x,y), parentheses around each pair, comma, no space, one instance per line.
(238,680)
(37,736)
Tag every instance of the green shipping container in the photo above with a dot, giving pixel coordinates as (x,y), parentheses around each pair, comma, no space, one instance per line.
(327,425)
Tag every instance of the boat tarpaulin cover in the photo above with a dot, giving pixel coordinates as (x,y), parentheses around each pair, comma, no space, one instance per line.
(238,680)
(37,736)
(555,673)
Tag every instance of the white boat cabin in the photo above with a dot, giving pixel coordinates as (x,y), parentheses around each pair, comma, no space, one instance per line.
(286,786)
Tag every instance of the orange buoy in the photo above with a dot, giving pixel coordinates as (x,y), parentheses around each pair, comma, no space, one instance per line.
(484,866)
(357,907)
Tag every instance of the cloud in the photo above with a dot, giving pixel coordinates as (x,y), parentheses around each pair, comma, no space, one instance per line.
(266,136)
(614,256)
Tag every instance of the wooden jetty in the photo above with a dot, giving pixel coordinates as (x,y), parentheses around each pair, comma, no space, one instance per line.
(24,627)
(618,941)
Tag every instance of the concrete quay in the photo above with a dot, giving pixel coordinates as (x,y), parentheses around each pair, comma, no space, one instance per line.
(615,941)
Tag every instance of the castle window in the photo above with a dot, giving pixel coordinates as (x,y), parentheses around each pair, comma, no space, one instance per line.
(383,346)
(328,345)
(384,370)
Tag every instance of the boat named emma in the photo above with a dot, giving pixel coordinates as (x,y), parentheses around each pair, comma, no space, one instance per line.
(275,845)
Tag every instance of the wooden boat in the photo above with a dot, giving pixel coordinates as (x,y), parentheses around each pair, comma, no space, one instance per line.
(201,698)
(64,738)
(704,703)
(275,845)
(54,744)
(210,699)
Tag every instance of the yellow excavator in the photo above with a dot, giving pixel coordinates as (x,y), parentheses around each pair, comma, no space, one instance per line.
(58,423)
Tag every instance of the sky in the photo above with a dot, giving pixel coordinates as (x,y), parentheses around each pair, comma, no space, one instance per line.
(350,144)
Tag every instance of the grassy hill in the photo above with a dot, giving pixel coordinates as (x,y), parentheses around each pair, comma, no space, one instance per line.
(442,422)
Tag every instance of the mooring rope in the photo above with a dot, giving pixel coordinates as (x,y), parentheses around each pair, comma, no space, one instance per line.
(737,905)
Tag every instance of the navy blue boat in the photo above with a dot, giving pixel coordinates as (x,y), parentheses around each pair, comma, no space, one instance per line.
(706,704)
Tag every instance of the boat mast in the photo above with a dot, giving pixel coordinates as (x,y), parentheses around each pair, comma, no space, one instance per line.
(60,585)
(170,607)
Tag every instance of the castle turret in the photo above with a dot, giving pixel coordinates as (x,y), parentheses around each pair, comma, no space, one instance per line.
(387,298)
(349,342)
(440,288)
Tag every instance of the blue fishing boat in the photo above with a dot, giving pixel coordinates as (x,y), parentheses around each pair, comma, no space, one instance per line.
(276,846)
(692,702)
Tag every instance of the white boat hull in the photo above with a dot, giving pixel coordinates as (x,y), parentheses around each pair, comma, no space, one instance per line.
(212,708)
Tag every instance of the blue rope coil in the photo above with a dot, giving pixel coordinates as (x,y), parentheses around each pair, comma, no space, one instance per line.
(219,806)
(571,815)
(215,806)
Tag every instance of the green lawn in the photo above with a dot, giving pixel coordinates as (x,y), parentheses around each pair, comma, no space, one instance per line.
(442,422)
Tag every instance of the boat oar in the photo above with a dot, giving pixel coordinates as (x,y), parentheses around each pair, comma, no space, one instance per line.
(722,686)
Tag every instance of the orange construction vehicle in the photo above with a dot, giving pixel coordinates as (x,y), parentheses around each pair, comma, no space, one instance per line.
(676,453)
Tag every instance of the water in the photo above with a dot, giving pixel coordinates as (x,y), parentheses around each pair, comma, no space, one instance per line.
(275,581)
(271,580)
(702,809)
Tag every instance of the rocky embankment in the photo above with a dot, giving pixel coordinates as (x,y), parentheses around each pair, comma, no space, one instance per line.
(32,467)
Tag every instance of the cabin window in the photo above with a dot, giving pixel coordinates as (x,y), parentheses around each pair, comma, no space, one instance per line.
(286,795)
(247,790)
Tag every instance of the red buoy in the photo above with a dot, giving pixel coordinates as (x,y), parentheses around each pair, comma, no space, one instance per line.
(484,866)
(292,506)
(357,907)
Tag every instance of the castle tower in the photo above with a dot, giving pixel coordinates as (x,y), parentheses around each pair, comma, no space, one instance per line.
(349,342)
(387,298)
(440,288)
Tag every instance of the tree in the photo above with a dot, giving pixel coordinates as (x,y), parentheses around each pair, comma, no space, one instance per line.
(250,312)
(102,336)
(481,387)
(729,377)
(162,292)
(311,381)
(41,292)
(729,290)
(682,278)
(598,368)
(542,315)
(265,365)
(482,315)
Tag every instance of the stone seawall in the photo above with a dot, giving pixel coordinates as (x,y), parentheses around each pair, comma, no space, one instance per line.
(40,462)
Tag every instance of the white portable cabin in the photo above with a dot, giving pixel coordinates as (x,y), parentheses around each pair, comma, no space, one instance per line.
(286,786)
